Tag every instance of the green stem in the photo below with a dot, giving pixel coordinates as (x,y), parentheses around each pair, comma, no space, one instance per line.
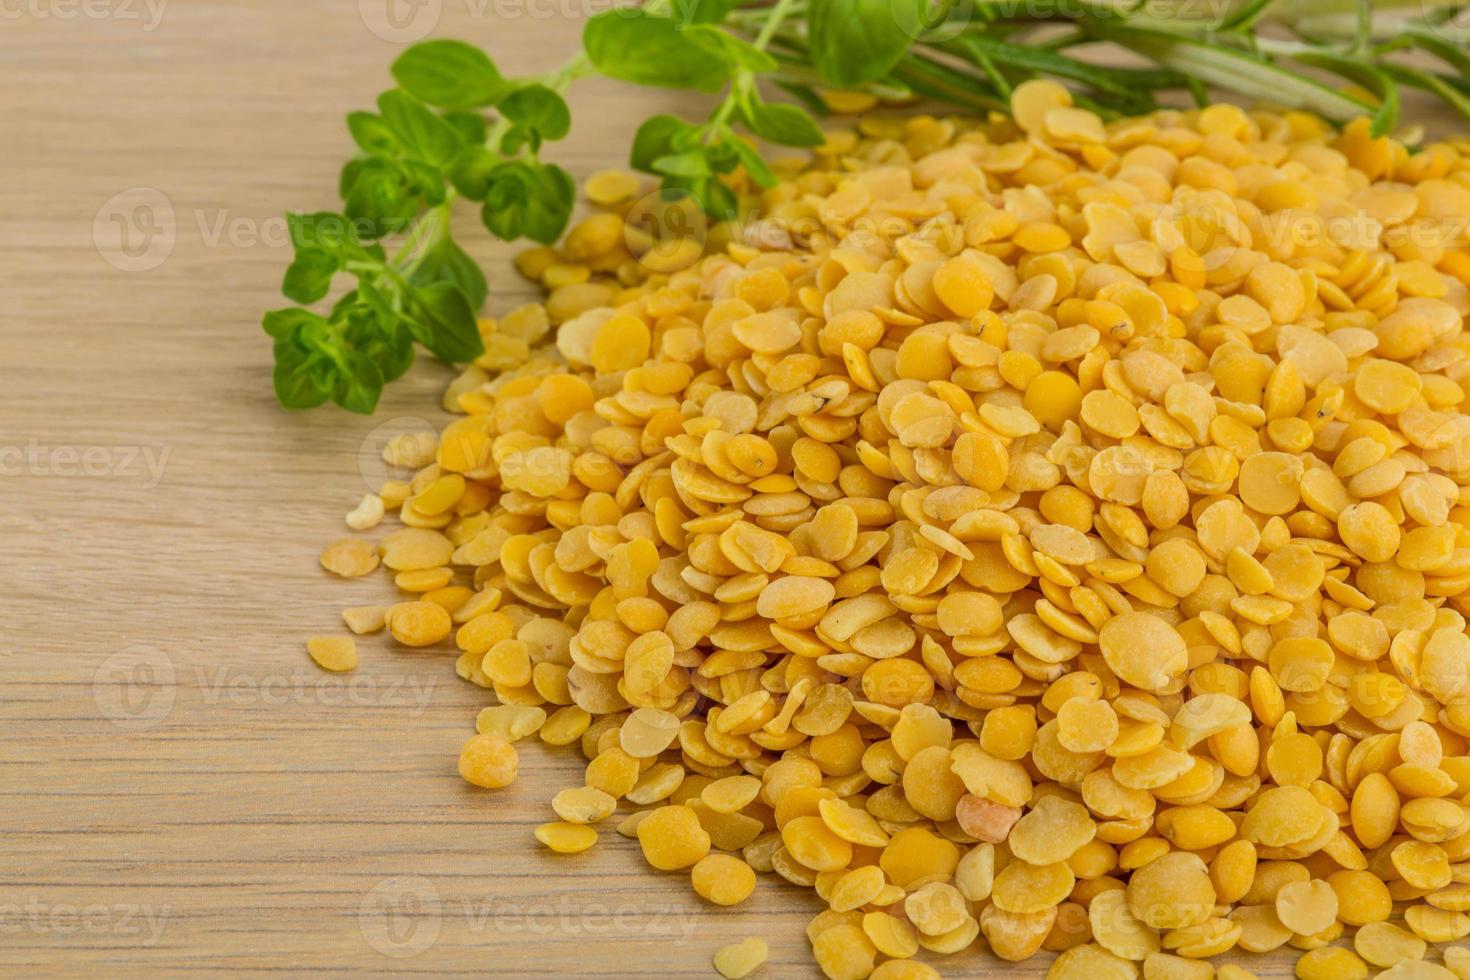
(578,66)
(427,228)
(768,30)
(744,80)
(722,112)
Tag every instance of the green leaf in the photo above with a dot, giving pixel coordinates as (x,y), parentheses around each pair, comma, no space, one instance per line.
(450,74)
(371,133)
(375,328)
(394,352)
(539,110)
(441,319)
(534,200)
(359,387)
(1386,118)
(752,162)
(283,324)
(293,378)
(1242,73)
(1432,83)
(309,277)
(423,135)
(936,80)
(1244,17)
(1448,51)
(722,156)
(783,123)
(1034,59)
(655,138)
(690,163)
(635,46)
(686,12)
(380,200)
(353,169)
(471,175)
(321,229)
(470,126)
(712,195)
(733,51)
(424,180)
(855,41)
(804,94)
(445,261)
(718,201)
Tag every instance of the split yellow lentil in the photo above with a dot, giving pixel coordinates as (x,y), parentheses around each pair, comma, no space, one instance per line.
(334,653)
(741,959)
(1042,534)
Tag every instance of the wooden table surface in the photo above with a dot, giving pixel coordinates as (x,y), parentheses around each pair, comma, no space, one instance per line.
(181,791)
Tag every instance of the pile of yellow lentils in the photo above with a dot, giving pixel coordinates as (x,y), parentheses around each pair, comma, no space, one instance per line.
(1030,534)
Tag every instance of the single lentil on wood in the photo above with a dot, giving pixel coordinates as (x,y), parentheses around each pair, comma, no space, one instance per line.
(1045,530)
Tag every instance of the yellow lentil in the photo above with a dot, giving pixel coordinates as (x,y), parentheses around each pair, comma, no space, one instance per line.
(365,619)
(723,879)
(672,838)
(349,558)
(741,959)
(1331,963)
(1077,548)
(488,761)
(334,653)
(566,838)
(418,624)
(1385,944)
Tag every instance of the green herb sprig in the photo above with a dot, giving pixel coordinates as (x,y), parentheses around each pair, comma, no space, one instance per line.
(429,144)
(455,128)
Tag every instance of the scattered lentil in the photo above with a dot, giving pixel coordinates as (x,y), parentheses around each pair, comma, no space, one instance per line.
(334,653)
(741,959)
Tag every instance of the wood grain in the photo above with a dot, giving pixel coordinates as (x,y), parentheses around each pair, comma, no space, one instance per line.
(181,792)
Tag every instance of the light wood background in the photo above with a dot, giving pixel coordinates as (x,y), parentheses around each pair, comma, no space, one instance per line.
(181,791)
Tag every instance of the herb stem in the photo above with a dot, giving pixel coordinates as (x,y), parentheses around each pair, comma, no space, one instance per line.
(744,79)
(430,226)
(578,66)
(768,30)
